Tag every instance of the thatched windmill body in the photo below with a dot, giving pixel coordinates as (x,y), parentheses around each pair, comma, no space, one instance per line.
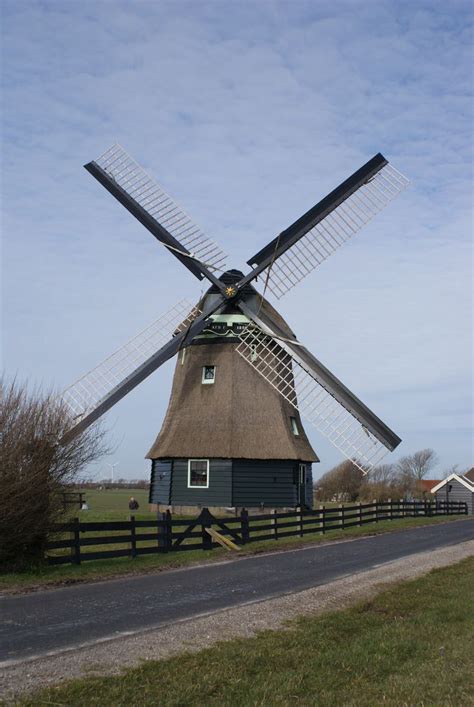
(232,434)
(228,438)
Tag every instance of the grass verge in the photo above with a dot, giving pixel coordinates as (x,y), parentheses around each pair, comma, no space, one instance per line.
(411,645)
(44,577)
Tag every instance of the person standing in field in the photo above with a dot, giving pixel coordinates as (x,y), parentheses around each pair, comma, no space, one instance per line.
(133,504)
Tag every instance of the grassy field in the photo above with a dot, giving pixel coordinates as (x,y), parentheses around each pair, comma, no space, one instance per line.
(50,576)
(411,645)
(112,504)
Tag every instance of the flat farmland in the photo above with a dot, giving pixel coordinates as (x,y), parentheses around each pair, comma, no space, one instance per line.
(112,504)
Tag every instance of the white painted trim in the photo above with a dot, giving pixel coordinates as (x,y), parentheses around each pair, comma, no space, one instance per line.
(191,486)
(302,471)
(456,477)
(208,381)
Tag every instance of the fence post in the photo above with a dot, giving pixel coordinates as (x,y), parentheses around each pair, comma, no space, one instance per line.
(169,530)
(375,503)
(360,514)
(77,542)
(206,522)
(133,537)
(341,514)
(275,523)
(161,532)
(300,519)
(323,517)
(390,511)
(244,526)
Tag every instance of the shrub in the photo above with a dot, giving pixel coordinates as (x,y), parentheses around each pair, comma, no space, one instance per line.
(37,464)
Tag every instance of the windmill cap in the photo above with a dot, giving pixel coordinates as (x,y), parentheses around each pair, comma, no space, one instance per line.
(231,277)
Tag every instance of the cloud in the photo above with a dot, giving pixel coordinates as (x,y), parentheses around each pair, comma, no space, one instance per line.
(247,114)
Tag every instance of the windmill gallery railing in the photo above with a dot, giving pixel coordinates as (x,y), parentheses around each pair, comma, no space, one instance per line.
(167,534)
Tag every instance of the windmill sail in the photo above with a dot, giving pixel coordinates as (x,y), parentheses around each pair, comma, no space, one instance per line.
(310,394)
(91,391)
(296,252)
(143,197)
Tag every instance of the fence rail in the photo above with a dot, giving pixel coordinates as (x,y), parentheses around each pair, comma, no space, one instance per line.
(167,534)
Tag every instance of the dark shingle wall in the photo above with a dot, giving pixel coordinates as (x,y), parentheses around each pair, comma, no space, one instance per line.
(160,483)
(267,482)
(220,484)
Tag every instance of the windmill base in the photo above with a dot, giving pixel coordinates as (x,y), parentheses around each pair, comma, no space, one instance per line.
(230,484)
(220,511)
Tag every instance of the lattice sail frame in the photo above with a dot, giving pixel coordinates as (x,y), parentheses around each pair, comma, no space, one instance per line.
(333,230)
(143,189)
(86,393)
(310,398)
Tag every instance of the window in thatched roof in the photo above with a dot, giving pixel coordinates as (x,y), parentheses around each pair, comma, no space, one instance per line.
(198,473)
(208,374)
(294,426)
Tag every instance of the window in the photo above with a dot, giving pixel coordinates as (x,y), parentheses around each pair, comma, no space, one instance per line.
(294,426)
(208,374)
(198,473)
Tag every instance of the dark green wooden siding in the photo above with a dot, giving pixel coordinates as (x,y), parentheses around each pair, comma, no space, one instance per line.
(238,482)
(309,485)
(160,483)
(271,483)
(219,492)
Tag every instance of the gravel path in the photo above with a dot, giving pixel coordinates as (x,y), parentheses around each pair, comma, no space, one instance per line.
(111,656)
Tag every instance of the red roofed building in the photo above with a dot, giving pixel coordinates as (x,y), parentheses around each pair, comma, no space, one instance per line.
(470,475)
(425,485)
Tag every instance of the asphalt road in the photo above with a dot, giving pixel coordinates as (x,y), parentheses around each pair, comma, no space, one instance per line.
(57,619)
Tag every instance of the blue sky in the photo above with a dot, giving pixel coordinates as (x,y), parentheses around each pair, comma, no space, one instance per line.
(247,114)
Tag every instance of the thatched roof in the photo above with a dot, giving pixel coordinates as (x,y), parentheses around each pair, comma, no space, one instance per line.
(239,416)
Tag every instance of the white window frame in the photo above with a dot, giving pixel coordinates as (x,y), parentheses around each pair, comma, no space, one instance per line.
(294,426)
(208,381)
(193,486)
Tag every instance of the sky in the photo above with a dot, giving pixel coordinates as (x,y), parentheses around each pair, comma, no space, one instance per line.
(247,113)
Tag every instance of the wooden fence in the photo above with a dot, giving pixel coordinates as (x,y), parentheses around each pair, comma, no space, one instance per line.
(72,498)
(167,534)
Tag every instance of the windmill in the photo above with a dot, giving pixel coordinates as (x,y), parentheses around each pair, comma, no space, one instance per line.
(232,434)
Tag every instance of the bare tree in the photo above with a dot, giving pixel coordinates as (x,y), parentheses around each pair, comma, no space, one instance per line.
(342,483)
(417,465)
(453,469)
(383,474)
(382,483)
(36,466)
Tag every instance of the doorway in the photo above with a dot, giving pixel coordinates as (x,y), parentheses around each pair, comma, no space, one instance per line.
(302,485)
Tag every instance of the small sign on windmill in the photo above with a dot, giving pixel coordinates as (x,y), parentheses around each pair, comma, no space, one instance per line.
(232,434)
